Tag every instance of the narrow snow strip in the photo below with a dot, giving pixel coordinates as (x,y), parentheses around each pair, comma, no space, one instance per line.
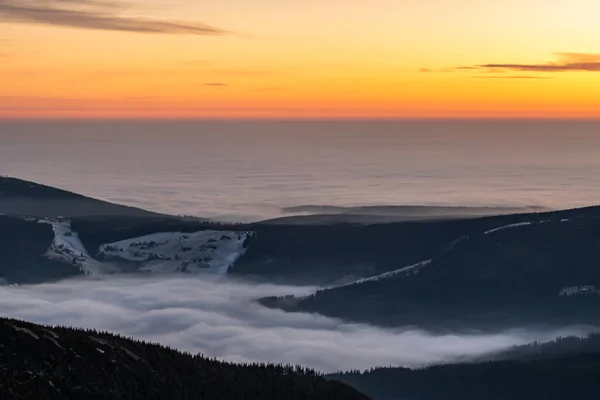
(54,334)
(411,269)
(98,340)
(54,341)
(461,239)
(25,330)
(508,227)
(131,354)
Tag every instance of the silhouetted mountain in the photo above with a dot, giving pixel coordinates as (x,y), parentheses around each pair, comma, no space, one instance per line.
(23,198)
(40,363)
(498,272)
(567,377)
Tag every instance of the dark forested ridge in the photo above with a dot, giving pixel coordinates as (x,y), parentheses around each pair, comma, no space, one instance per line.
(40,363)
(567,377)
(506,277)
(562,346)
(23,198)
(566,368)
(22,245)
(321,254)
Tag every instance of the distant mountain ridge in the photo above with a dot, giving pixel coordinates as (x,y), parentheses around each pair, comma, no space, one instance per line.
(40,362)
(24,198)
(328,214)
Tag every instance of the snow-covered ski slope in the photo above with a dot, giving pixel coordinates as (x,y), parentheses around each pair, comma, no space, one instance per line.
(211,251)
(67,248)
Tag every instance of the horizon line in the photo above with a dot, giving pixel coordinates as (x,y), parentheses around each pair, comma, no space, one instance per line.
(297,119)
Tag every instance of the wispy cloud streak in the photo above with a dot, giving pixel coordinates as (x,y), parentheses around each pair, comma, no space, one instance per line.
(567,62)
(95,15)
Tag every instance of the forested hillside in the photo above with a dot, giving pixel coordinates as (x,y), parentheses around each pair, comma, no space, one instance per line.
(22,245)
(40,363)
(512,276)
(320,254)
(563,346)
(567,377)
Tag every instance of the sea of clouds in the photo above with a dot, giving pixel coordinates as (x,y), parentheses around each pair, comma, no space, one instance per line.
(217,316)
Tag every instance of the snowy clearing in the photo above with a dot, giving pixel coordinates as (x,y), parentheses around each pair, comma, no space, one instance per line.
(211,251)
(67,248)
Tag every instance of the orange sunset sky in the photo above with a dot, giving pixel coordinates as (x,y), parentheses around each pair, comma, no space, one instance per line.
(311,58)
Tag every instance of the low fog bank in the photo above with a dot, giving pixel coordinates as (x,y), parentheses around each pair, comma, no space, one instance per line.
(216,316)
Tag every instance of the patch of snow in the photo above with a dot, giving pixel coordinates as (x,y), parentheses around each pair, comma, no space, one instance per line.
(212,251)
(461,239)
(410,270)
(25,330)
(508,227)
(98,340)
(67,248)
(54,334)
(54,341)
(585,290)
(565,220)
(131,354)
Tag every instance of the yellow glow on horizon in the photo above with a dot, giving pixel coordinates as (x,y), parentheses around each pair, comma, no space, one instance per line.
(317,59)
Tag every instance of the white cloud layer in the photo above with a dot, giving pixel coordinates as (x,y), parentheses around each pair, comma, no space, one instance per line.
(216,316)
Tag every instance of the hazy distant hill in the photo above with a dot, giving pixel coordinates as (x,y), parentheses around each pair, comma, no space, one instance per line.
(23,198)
(327,215)
(40,363)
